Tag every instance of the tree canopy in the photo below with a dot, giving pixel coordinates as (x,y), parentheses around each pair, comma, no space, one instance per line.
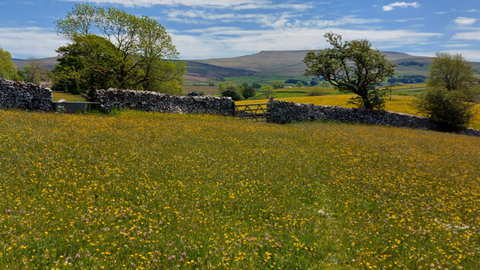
(351,67)
(7,67)
(111,48)
(230,89)
(450,89)
(453,73)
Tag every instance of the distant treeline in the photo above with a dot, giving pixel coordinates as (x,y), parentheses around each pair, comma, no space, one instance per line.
(408,79)
(313,82)
(411,63)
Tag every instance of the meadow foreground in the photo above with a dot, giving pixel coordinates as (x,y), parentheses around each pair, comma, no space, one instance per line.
(146,190)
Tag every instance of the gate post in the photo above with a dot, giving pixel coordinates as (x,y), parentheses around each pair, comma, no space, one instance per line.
(269,116)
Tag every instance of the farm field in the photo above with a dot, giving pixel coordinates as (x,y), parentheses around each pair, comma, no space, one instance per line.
(400,104)
(135,190)
(68,97)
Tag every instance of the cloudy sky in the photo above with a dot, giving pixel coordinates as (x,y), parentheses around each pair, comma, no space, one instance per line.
(204,29)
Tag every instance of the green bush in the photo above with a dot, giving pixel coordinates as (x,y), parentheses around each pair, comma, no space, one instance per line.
(316,92)
(447,109)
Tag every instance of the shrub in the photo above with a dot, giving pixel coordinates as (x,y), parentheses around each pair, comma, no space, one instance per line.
(447,109)
(316,92)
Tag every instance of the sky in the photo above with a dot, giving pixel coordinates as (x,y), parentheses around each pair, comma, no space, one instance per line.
(204,29)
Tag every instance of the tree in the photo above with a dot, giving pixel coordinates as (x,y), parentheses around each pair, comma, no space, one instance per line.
(453,73)
(91,62)
(446,108)
(35,73)
(351,67)
(230,89)
(256,85)
(7,67)
(268,90)
(277,85)
(141,46)
(247,91)
(449,89)
(300,84)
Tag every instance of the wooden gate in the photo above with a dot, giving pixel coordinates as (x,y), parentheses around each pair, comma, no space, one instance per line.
(257,112)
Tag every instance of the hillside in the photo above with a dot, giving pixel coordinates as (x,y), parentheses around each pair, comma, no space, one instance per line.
(196,70)
(48,63)
(272,63)
(289,63)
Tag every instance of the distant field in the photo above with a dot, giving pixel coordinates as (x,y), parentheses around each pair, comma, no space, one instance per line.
(67,97)
(136,190)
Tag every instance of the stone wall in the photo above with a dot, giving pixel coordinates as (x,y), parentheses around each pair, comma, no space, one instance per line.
(22,95)
(156,102)
(287,112)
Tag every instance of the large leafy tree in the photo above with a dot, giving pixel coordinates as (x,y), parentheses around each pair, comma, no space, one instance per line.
(453,73)
(143,48)
(91,62)
(351,67)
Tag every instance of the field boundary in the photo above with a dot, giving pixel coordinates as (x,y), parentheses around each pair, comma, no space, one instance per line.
(257,112)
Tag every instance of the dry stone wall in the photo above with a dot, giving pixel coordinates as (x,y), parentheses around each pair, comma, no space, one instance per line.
(156,102)
(287,112)
(26,96)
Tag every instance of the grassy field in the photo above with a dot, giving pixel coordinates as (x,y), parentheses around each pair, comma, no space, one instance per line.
(67,97)
(401,104)
(138,190)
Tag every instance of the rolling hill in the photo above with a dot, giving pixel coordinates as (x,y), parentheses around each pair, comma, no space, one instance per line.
(289,63)
(272,63)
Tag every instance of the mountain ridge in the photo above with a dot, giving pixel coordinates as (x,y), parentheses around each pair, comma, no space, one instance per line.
(270,63)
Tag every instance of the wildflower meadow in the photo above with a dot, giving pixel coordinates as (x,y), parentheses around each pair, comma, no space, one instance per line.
(137,190)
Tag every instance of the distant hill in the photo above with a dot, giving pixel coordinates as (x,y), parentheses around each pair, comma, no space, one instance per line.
(287,63)
(272,63)
(196,70)
(48,63)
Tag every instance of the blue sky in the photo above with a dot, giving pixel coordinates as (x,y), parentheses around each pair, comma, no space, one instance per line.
(203,29)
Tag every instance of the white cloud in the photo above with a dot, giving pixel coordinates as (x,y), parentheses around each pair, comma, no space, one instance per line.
(261,5)
(473,10)
(235,4)
(217,42)
(277,20)
(469,55)
(475,35)
(347,20)
(410,19)
(456,45)
(202,17)
(465,21)
(400,4)
(30,41)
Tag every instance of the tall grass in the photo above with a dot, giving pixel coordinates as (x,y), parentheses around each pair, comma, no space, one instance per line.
(146,190)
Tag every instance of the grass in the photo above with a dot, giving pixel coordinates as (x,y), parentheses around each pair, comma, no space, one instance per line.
(400,104)
(146,190)
(67,97)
